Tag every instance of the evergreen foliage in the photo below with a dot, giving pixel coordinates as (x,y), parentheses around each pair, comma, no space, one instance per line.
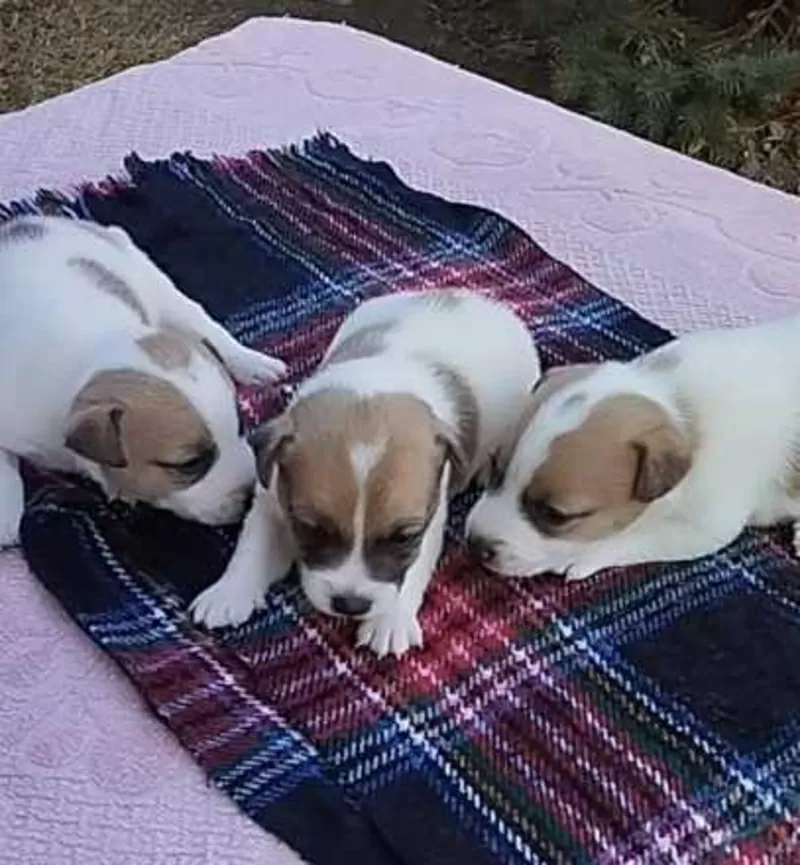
(727,92)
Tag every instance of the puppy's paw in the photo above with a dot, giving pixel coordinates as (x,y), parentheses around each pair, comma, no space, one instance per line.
(584,568)
(11,505)
(9,529)
(228,602)
(796,538)
(251,367)
(393,633)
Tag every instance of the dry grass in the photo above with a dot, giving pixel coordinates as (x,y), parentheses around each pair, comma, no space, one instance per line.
(52,46)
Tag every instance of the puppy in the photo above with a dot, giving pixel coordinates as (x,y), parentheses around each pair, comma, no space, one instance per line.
(412,396)
(108,370)
(662,459)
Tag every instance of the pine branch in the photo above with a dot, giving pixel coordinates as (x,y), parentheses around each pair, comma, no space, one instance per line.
(647,68)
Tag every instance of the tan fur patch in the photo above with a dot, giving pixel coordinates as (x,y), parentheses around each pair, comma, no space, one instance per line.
(111,283)
(169,348)
(367,342)
(403,487)
(317,469)
(149,422)
(627,452)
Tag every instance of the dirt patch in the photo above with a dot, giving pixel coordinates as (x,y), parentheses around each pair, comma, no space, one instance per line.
(53,46)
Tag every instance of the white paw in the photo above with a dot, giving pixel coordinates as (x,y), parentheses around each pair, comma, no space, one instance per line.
(227,602)
(583,569)
(254,368)
(393,633)
(9,533)
(797,538)
(10,516)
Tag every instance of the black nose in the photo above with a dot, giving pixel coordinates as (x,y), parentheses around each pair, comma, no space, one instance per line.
(350,605)
(481,549)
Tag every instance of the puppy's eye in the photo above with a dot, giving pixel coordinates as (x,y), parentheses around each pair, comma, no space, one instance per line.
(552,515)
(308,528)
(547,517)
(311,533)
(388,557)
(404,536)
(320,542)
(198,464)
(191,464)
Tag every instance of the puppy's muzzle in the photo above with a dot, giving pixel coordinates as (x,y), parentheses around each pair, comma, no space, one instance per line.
(229,511)
(350,605)
(482,549)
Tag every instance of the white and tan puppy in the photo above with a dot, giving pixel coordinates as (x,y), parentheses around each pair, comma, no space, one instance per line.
(110,371)
(662,459)
(412,396)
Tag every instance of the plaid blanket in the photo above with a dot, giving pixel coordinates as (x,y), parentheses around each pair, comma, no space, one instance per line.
(645,716)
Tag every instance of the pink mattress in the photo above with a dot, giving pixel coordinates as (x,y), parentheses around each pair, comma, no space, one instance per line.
(87,775)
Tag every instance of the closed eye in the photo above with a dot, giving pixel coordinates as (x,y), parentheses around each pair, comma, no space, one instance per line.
(320,542)
(389,556)
(197,464)
(546,516)
(552,515)
(311,532)
(403,536)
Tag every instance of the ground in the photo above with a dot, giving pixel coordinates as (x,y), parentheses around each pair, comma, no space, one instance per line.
(52,46)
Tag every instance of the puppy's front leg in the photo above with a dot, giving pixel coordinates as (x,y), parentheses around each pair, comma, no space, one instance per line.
(246,365)
(264,555)
(671,539)
(397,629)
(12,499)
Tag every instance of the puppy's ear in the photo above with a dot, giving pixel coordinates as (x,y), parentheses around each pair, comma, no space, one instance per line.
(267,442)
(663,458)
(96,434)
(448,439)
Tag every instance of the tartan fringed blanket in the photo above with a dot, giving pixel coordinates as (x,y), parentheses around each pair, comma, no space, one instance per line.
(646,716)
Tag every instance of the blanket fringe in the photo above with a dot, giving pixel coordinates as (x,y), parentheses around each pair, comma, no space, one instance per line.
(49,202)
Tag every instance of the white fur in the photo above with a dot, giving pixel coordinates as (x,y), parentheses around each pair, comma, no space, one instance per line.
(364,458)
(59,329)
(741,388)
(394,627)
(491,349)
(263,556)
(351,577)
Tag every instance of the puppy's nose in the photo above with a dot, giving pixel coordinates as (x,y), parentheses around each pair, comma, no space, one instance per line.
(481,549)
(350,605)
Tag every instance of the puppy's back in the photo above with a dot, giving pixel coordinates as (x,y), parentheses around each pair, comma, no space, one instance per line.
(471,338)
(69,291)
(77,276)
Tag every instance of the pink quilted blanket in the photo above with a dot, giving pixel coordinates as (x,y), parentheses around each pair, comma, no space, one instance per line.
(87,775)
